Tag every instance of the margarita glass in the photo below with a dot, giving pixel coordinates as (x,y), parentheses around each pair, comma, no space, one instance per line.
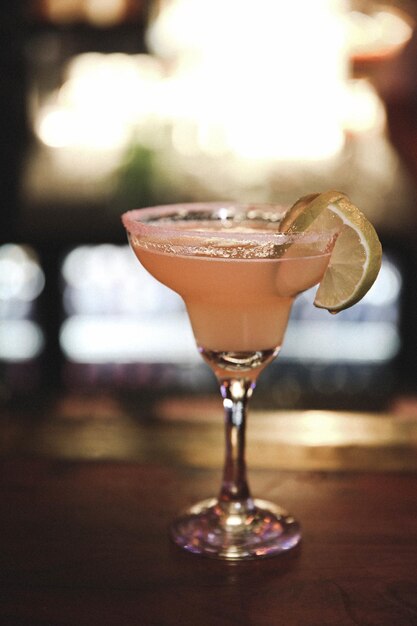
(238,276)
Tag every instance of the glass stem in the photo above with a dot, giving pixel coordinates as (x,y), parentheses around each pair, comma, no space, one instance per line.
(235,490)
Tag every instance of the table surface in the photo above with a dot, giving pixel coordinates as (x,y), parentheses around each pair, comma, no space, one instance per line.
(89,485)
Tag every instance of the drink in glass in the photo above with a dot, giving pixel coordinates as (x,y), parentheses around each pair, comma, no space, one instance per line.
(238,275)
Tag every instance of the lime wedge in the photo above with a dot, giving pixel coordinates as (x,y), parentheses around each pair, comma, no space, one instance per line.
(356,257)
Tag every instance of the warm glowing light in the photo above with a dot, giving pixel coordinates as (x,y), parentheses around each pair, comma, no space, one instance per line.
(62,11)
(101,13)
(59,128)
(324,428)
(274,99)
(105,12)
(365,111)
(234,520)
(100,103)
(378,32)
(227,94)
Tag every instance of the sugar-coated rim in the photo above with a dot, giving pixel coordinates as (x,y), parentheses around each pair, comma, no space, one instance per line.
(135,222)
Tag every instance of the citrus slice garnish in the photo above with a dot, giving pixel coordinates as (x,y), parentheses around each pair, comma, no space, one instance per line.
(356,257)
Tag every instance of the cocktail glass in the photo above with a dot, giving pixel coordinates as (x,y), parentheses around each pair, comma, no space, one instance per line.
(238,276)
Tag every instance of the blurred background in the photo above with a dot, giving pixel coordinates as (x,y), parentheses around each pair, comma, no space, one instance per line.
(109,105)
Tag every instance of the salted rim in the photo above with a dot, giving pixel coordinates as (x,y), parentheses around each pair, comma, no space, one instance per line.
(143,222)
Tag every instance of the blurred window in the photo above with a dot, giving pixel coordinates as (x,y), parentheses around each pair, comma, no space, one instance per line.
(21,282)
(366,333)
(117,313)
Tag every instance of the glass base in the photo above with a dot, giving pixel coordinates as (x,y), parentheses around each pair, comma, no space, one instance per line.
(235,532)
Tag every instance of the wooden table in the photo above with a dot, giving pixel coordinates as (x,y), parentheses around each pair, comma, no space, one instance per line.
(89,486)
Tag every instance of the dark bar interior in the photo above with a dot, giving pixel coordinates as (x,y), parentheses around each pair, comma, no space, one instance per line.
(109,419)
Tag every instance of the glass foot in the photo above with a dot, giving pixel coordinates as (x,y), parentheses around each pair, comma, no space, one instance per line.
(236,532)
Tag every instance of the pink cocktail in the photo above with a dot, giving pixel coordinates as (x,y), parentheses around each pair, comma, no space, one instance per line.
(238,276)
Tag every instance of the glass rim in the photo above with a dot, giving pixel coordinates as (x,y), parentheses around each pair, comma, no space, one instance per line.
(139,222)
